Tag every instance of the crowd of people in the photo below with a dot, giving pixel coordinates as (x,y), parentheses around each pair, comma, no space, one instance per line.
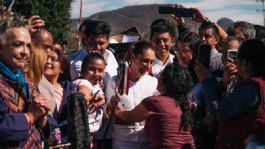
(167,92)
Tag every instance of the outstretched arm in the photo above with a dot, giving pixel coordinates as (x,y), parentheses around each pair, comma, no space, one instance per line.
(138,114)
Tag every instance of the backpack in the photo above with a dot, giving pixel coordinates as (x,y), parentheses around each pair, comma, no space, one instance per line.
(78,127)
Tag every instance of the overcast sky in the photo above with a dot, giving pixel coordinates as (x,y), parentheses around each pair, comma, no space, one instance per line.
(244,10)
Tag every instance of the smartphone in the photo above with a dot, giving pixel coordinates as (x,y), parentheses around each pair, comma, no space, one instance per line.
(204,54)
(8,4)
(179,12)
(232,53)
(166,10)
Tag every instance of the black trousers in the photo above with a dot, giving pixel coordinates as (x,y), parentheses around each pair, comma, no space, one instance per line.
(104,144)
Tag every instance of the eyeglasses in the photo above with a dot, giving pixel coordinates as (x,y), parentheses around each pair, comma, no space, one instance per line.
(183,51)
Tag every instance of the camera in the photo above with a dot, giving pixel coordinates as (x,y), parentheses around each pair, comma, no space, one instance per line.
(232,53)
(179,12)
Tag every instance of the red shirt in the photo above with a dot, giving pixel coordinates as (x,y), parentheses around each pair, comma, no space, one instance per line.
(163,124)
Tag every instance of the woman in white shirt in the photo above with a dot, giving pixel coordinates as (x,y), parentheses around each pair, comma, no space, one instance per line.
(138,85)
(90,84)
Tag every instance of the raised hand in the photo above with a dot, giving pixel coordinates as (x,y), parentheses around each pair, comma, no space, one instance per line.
(199,17)
(230,71)
(179,20)
(113,104)
(35,23)
(97,101)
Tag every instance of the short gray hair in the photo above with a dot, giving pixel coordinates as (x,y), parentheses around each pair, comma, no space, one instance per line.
(10,20)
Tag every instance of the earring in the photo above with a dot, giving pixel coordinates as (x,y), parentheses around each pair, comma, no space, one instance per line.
(244,68)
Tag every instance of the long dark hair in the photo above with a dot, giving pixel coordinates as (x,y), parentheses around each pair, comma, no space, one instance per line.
(178,83)
(253,52)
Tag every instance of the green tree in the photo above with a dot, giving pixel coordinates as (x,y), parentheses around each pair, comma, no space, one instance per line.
(55,13)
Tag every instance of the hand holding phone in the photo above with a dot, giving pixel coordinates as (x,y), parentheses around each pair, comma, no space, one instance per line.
(232,53)
(230,71)
(179,20)
(178,12)
(198,16)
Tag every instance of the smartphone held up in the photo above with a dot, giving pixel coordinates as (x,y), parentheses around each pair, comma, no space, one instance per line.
(232,53)
(204,54)
(178,12)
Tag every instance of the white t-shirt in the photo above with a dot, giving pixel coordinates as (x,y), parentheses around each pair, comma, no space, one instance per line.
(95,117)
(77,58)
(158,66)
(144,87)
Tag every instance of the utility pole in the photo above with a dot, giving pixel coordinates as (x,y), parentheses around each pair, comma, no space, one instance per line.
(80,22)
(81,11)
(262,10)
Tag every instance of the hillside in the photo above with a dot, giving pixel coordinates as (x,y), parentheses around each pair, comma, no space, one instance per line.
(123,18)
